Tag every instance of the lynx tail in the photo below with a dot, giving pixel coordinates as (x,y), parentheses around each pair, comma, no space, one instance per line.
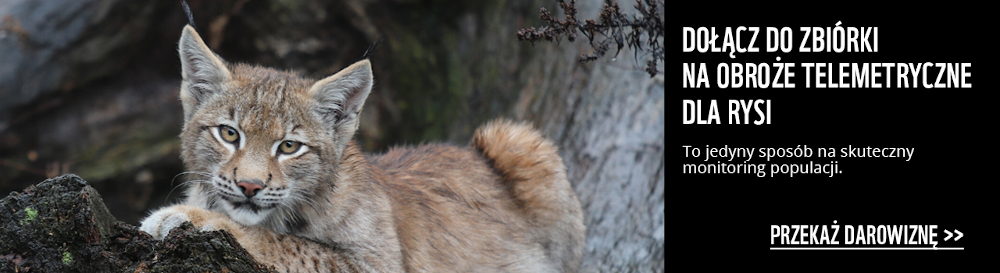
(534,173)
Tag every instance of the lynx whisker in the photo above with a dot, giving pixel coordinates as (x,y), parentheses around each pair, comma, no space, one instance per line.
(189,182)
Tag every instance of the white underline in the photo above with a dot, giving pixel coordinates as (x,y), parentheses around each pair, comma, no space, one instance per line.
(867,248)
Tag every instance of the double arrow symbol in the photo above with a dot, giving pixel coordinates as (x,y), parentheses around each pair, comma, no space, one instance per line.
(949,235)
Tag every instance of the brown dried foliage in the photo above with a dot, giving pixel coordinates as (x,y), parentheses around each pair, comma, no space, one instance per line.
(645,28)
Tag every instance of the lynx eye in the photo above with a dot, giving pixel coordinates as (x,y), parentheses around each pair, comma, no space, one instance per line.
(289,147)
(229,134)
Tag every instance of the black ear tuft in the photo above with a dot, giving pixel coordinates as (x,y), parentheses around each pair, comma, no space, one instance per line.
(372,48)
(187,10)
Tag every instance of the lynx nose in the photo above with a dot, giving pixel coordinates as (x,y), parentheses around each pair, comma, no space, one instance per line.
(250,187)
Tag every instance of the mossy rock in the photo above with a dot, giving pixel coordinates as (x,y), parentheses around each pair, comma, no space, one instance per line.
(62,225)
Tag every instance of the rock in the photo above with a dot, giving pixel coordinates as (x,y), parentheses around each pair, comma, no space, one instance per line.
(51,46)
(62,225)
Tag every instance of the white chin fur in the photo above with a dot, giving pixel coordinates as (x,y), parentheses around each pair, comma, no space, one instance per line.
(246,216)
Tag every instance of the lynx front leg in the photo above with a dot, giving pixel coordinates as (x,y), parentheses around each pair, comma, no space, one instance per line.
(162,221)
(286,253)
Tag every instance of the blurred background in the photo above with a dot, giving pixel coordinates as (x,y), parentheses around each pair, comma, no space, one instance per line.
(91,87)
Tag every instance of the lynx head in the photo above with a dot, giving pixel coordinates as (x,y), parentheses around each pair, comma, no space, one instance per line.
(262,142)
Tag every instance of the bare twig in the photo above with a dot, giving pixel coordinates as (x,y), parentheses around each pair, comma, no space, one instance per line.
(22,167)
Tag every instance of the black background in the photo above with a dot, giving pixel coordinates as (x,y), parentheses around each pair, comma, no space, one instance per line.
(723,213)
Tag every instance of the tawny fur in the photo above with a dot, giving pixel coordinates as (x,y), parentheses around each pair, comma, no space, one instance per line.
(502,204)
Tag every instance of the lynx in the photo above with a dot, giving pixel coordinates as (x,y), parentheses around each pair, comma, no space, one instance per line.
(274,164)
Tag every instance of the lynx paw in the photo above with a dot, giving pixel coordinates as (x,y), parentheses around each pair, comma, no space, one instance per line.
(162,221)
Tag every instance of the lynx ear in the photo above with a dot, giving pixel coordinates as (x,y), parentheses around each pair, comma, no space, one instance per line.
(339,99)
(203,72)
